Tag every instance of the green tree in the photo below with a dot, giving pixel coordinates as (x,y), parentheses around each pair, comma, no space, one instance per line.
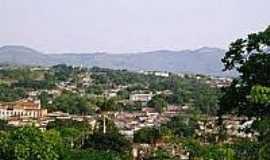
(8,93)
(160,154)
(158,103)
(146,135)
(94,155)
(182,126)
(4,126)
(246,150)
(248,94)
(260,94)
(107,142)
(30,144)
(251,58)
(72,103)
(72,132)
(44,99)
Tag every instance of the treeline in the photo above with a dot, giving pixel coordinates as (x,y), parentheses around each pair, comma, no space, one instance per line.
(62,140)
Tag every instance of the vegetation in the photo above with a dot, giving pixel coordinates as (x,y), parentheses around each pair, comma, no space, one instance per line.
(158,103)
(71,103)
(146,135)
(8,93)
(30,144)
(248,94)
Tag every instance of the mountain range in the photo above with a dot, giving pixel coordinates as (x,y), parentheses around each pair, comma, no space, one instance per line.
(202,61)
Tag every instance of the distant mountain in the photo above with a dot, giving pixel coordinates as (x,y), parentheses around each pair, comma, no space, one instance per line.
(204,60)
(23,56)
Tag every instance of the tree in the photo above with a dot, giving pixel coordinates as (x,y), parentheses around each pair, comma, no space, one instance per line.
(44,99)
(206,100)
(7,93)
(62,72)
(94,155)
(107,104)
(146,135)
(212,152)
(4,126)
(194,148)
(110,140)
(158,103)
(107,142)
(260,94)
(30,143)
(251,58)
(72,103)
(246,150)
(95,89)
(160,154)
(249,94)
(182,126)
(72,132)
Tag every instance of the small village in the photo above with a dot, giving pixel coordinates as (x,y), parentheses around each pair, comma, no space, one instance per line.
(29,111)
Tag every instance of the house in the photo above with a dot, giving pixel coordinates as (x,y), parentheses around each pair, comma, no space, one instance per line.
(22,108)
(141,97)
(156,73)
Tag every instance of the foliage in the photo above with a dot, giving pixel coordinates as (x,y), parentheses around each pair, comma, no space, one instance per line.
(8,93)
(4,125)
(107,142)
(213,152)
(246,150)
(72,132)
(72,103)
(34,84)
(160,154)
(60,124)
(182,126)
(146,135)
(62,72)
(95,89)
(158,103)
(260,94)
(249,94)
(30,144)
(23,73)
(44,99)
(107,104)
(94,154)
(251,58)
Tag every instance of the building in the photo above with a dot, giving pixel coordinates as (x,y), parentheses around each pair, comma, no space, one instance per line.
(156,73)
(162,74)
(22,109)
(141,97)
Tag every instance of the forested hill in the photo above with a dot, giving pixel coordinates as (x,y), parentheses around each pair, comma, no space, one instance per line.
(204,60)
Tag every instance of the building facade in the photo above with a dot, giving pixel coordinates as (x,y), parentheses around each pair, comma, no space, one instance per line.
(22,109)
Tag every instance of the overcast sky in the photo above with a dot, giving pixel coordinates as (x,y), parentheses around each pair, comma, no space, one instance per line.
(121,26)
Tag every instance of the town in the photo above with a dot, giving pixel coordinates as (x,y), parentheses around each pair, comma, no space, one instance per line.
(135,80)
(132,101)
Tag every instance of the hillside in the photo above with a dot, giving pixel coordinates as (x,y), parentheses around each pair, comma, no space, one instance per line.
(204,60)
(21,55)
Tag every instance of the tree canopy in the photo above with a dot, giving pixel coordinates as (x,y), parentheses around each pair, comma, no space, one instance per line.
(251,58)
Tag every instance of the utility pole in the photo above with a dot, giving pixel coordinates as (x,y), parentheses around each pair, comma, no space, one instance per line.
(104,124)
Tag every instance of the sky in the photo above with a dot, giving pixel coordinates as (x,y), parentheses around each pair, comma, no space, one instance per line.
(122,26)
